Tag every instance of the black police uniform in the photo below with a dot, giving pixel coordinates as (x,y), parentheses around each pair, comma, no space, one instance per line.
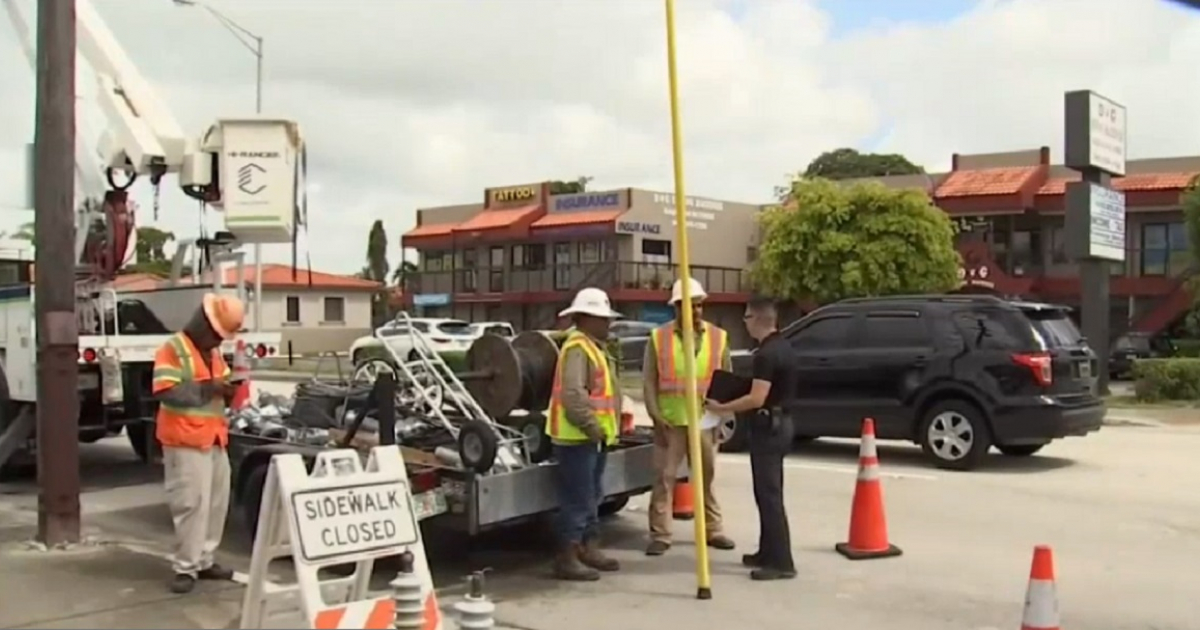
(771,435)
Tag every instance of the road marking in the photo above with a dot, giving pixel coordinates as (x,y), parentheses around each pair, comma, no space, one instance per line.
(844,470)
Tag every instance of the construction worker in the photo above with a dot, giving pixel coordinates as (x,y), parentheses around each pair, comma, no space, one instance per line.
(584,409)
(663,388)
(192,386)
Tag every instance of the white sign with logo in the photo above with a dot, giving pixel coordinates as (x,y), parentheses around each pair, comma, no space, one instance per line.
(1106,234)
(976,276)
(699,211)
(1106,135)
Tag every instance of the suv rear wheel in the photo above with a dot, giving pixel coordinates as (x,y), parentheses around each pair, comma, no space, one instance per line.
(1020,450)
(955,435)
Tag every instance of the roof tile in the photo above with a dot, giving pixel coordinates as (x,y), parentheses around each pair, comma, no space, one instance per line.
(491,219)
(986,181)
(432,229)
(1130,183)
(587,217)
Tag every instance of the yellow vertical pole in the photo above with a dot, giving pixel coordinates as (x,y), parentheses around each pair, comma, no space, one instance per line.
(703,577)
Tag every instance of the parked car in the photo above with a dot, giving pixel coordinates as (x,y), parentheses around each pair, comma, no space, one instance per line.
(503,329)
(632,336)
(955,374)
(1127,349)
(443,335)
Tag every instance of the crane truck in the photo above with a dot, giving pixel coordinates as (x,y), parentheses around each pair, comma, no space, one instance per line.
(248,169)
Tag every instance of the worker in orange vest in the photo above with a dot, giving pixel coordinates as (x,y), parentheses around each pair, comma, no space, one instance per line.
(192,385)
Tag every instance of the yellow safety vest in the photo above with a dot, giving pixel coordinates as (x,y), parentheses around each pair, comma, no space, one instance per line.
(672,387)
(603,394)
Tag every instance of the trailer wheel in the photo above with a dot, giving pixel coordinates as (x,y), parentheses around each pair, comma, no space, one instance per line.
(251,499)
(478,445)
(537,443)
(610,508)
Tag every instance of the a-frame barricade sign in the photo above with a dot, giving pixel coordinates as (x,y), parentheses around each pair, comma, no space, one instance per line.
(341,513)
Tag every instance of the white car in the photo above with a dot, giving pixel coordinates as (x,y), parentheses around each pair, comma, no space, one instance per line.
(443,335)
(503,329)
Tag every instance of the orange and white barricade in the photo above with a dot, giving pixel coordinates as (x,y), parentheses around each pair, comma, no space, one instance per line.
(341,513)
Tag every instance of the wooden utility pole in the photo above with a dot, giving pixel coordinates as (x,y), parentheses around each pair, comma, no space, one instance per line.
(54,275)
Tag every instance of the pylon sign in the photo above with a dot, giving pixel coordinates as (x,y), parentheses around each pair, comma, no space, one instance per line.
(341,513)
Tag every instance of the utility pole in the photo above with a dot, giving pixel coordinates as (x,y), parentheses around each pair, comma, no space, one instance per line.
(54,275)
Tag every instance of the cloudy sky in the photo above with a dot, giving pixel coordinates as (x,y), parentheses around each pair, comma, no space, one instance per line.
(414,103)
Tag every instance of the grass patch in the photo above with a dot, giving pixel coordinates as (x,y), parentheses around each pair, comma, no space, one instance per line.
(1132,402)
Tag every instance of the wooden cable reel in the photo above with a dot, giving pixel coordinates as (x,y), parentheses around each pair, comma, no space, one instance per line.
(504,375)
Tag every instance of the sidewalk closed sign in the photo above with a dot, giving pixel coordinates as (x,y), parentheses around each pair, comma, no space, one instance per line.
(353,520)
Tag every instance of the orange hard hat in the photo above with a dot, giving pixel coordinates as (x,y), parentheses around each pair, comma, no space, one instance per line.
(225,313)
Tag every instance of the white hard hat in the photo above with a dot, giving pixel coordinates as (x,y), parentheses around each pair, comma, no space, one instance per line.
(591,301)
(697,291)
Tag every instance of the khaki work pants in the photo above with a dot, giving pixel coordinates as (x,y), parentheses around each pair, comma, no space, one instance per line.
(670,450)
(197,485)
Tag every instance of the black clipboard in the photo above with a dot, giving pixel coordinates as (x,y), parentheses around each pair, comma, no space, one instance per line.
(727,386)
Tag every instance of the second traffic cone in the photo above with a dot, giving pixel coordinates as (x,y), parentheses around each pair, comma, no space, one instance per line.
(240,370)
(1041,598)
(682,501)
(868,523)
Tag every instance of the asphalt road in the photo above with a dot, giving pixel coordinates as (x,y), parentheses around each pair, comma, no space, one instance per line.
(1119,508)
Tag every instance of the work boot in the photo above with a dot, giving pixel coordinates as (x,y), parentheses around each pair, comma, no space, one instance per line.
(216,573)
(721,541)
(752,560)
(590,555)
(766,574)
(568,567)
(182,583)
(657,547)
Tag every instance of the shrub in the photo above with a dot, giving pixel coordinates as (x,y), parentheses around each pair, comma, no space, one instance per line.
(1166,379)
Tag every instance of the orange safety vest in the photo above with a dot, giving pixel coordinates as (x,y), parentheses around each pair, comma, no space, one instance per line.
(603,394)
(178,361)
(672,383)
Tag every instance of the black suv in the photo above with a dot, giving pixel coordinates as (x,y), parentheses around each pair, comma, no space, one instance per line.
(956,374)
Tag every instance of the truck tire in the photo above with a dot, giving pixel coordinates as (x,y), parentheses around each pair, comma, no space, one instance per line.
(251,497)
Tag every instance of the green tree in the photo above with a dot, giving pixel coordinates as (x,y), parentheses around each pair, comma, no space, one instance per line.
(151,257)
(848,163)
(377,261)
(577,185)
(402,270)
(827,242)
(24,233)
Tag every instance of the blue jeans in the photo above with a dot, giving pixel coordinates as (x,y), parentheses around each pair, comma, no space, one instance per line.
(580,470)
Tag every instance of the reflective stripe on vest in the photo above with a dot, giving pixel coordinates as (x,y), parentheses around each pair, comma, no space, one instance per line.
(672,381)
(603,394)
(188,369)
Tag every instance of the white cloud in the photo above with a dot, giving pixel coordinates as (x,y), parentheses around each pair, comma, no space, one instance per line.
(417,103)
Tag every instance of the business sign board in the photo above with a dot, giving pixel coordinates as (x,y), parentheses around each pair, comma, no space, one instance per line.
(431,299)
(514,194)
(639,227)
(1095,222)
(1095,133)
(588,201)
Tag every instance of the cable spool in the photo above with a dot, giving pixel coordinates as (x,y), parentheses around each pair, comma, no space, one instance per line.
(504,376)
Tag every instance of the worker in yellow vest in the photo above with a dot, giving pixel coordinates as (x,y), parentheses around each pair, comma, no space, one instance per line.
(585,405)
(663,386)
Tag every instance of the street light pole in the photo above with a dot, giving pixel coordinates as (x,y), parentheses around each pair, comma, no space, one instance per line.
(254,43)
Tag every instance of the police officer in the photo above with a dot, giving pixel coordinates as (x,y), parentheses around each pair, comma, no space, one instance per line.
(770,439)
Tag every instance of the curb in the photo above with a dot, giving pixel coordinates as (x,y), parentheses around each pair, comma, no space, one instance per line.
(1131,421)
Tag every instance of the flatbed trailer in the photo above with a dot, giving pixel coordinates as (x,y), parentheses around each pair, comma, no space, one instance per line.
(457,499)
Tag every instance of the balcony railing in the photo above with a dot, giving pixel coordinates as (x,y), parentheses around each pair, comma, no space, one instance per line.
(571,277)
(1138,263)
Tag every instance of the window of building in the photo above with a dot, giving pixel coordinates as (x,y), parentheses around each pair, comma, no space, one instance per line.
(895,330)
(656,251)
(1164,249)
(1058,246)
(1023,253)
(496,270)
(589,252)
(437,261)
(562,266)
(608,250)
(496,257)
(535,256)
(335,310)
(292,309)
(751,254)
(469,277)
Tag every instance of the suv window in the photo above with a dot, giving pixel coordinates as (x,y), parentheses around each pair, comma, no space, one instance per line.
(454,328)
(829,332)
(895,330)
(1054,328)
(498,329)
(994,329)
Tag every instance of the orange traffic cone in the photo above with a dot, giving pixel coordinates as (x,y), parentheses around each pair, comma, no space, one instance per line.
(627,425)
(868,524)
(682,501)
(1041,598)
(241,370)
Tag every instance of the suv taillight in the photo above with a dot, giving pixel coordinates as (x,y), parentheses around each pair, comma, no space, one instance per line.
(1039,363)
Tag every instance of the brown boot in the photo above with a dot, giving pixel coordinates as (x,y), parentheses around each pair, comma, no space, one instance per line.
(567,566)
(590,555)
